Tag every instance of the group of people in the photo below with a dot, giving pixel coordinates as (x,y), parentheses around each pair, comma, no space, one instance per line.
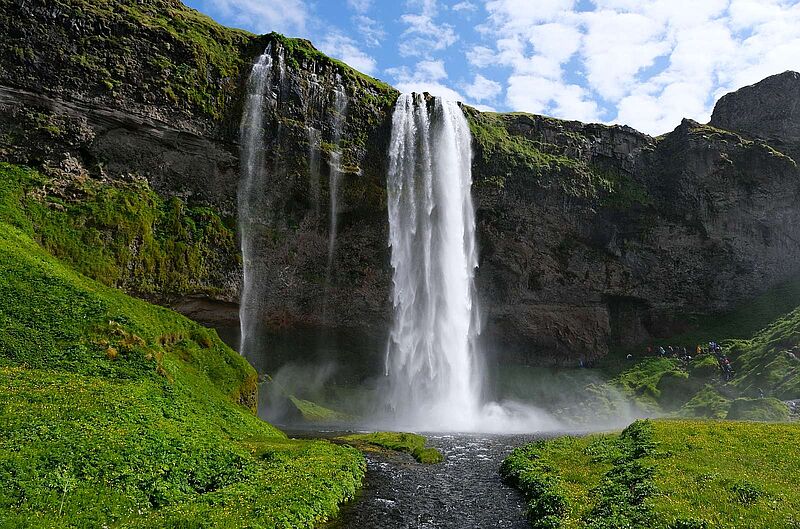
(684,353)
(722,359)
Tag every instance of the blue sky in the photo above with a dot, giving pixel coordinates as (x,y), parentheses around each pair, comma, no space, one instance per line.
(644,63)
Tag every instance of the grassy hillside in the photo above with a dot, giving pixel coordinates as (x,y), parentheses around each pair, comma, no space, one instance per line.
(119,413)
(663,474)
(761,338)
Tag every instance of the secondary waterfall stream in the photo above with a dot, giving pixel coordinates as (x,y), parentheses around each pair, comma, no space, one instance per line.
(252,201)
(339,117)
(431,355)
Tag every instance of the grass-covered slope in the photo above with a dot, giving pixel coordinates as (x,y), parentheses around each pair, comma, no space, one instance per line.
(761,338)
(663,474)
(115,412)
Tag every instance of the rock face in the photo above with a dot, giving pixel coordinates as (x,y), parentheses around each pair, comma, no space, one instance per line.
(590,236)
(769,110)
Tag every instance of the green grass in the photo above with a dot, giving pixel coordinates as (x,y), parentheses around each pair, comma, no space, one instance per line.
(761,337)
(400,442)
(664,474)
(119,233)
(313,412)
(122,413)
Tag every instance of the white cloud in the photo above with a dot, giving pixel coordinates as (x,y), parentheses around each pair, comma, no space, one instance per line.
(286,16)
(520,15)
(481,56)
(423,36)
(540,95)
(646,63)
(371,30)
(428,8)
(617,46)
(482,89)
(430,76)
(359,6)
(427,76)
(346,49)
(464,6)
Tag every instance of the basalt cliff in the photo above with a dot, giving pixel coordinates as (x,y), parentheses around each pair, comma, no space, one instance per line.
(591,236)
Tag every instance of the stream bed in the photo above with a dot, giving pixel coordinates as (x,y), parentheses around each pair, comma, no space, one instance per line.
(464,492)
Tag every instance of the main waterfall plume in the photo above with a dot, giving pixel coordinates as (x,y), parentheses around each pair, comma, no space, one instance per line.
(431,355)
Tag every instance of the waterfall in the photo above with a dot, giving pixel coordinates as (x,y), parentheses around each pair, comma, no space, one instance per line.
(314,145)
(431,354)
(339,117)
(253,200)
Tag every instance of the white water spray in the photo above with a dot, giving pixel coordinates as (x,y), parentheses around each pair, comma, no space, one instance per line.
(314,145)
(432,359)
(431,354)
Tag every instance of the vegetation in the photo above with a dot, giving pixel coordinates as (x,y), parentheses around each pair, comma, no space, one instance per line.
(400,442)
(119,233)
(313,412)
(185,59)
(121,413)
(762,339)
(501,152)
(663,474)
(618,387)
(512,153)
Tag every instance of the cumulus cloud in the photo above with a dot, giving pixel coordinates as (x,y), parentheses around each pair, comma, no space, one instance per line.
(646,63)
(464,6)
(287,16)
(371,30)
(430,76)
(346,49)
(360,6)
(482,89)
(422,36)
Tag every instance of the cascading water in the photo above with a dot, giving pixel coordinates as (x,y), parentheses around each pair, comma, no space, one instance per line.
(339,117)
(252,207)
(431,355)
(314,145)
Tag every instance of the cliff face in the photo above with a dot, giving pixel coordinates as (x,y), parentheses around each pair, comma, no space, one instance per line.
(769,110)
(590,235)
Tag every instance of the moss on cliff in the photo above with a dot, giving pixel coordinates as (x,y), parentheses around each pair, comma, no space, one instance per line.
(549,165)
(119,233)
(510,153)
(158,53)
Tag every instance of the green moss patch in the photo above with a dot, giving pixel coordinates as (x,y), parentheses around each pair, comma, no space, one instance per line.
(120,233)
(768,409)
(400,442)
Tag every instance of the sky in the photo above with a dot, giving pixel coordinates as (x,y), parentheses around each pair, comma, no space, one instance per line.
(643,63)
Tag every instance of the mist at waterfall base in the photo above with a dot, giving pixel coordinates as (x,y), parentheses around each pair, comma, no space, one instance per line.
(429,374)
